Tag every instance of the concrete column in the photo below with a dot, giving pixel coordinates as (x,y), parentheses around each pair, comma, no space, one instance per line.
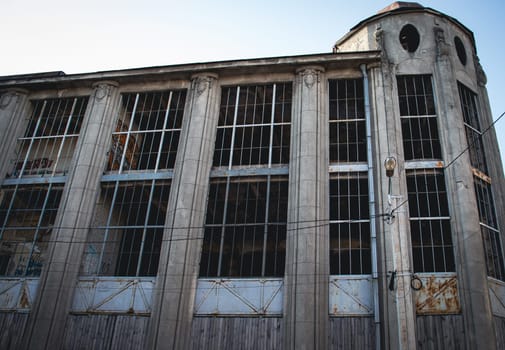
(173,299)
(12,105)
(393,236)
(56,287)
(307,255)
(467,237)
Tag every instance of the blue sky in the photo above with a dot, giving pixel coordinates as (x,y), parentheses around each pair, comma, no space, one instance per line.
(96,35)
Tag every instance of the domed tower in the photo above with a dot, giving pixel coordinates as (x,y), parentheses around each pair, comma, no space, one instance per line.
(440,247)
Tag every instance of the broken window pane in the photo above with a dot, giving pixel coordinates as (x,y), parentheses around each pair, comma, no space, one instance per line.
(47,147)
(147,131)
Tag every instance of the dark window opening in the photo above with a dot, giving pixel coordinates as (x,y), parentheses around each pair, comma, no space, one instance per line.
(349,224)
(409,38)
(147,132)
(460,50)
(347,121)
(418,117)
(254,126)
(245,233)
(430,226)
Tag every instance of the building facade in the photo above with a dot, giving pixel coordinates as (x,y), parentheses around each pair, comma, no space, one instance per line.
(350,200)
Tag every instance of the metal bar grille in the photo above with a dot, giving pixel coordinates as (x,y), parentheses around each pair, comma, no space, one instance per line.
(418,117)
(27,214)
(47,147)
(245,232)
(349,224)
(472,128)
(126,234)
(489,228)
(254,125)
(147,132)
(347,121)
(429,221)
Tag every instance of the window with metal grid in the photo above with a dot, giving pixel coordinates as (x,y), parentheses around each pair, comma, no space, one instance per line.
(31,193)
(349,224)
(430,221)
(127,231)
(27,215)
(245,231)
(489,229)
(472,128)
(48,144)
(347,121)
(418,117)
(147,131)
(254,125)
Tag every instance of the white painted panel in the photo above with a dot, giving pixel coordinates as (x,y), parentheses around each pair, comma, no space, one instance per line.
(497,296)
(17,294)
(114,295)
(239,297)
(350,295)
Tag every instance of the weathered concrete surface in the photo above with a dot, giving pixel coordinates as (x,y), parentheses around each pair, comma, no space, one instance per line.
(13,106)
(307,258)
(59,275)
(173,299)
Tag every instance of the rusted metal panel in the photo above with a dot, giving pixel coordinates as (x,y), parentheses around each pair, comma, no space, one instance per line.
(254,333)
(351,333)
(440,332)
(438,294)
(105,332)
(113,295)
(239,297)
(17,294)
(497,296)
(351,295)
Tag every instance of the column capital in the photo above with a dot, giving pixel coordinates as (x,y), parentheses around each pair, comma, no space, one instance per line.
(7,96)
(103,88)
(202,81)
(310,74)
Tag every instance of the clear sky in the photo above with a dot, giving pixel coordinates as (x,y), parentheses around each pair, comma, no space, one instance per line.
(96,35)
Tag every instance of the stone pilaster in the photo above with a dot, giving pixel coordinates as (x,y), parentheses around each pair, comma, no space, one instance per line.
(61,267)
(398,326)
(12,104)
(174,295)
(467,237)
(307,256)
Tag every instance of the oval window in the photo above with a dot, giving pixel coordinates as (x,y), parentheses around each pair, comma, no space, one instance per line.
(409,38)
(460,50)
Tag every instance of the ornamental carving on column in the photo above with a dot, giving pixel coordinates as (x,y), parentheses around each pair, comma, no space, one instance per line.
(481,76)
(380,41)
(103,90)
(310,76)
(202,82)
(6,99)
(443,48)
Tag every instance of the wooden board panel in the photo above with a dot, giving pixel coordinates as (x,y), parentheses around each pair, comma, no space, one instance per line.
(351,333)
(105,332)
(255,333)
(12,326)
(440,332)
